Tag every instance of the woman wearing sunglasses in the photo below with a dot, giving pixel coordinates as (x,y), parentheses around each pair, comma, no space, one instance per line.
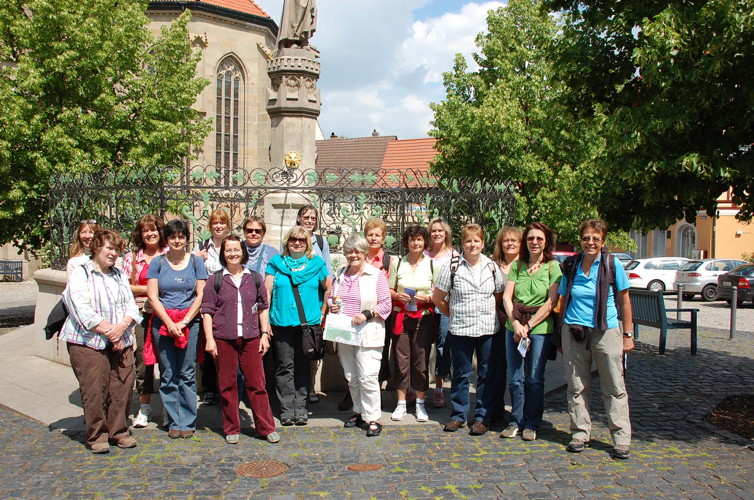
(591,331)
(297,266)
(529,297)
(260,253)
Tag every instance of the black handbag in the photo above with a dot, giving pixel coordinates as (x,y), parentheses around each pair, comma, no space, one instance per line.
(312,336)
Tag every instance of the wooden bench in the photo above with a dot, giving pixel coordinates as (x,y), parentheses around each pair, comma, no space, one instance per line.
(648,309)
(14,268)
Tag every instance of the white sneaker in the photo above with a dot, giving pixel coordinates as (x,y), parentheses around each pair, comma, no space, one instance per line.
(399,413)
(142,418)
(510,432)
(421,413)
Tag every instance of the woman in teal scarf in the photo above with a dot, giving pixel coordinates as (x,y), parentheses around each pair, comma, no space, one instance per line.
(297,265)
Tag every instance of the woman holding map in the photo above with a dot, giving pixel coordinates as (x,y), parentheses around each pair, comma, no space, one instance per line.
(360,302)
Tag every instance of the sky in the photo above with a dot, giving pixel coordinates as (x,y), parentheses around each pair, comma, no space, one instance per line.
(383,60)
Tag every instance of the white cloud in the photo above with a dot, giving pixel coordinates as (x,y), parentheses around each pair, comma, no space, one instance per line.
(434,42)
(382,66)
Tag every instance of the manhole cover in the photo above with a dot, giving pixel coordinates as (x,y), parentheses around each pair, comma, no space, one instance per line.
(267,468)
(364,467)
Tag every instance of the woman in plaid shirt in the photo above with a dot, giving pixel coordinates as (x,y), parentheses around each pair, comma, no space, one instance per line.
(99,334)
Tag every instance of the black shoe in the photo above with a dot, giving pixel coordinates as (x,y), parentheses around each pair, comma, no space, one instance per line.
(620,452)
(577,446)
(210,398)
(354,421)
(374,429)
(301,420)
(286,421)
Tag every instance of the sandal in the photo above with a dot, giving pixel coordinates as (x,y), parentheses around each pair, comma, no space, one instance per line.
(374,429)
(354,421)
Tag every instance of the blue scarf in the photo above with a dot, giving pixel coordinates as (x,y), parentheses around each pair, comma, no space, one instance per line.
(306,267)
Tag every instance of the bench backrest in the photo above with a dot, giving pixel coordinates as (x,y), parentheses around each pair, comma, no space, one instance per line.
(647,307)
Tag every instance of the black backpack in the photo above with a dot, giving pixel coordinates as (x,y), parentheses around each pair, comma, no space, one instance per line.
(219,279)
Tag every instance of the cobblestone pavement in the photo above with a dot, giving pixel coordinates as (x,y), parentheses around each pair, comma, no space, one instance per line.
(17,301)
(673,454)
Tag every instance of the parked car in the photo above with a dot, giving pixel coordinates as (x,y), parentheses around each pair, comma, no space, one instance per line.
(562,256)
(624,258)
(741,277)
(700,277)
(655,273)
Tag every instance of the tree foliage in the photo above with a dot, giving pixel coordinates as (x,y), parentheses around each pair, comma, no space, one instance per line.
(507,120)
(87,87)
(670,83)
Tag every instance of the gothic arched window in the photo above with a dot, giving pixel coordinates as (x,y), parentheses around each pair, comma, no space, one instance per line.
(228,119)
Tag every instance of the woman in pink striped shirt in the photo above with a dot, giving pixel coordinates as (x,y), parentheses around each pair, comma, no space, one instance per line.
(361,292)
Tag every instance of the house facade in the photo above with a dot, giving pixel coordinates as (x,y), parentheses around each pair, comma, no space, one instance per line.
(722,237)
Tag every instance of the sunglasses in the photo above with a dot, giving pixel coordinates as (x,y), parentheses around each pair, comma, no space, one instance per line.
(252,230)
(587,239)
(534,238)
(302,241)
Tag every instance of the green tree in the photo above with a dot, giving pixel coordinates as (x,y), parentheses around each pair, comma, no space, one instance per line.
(87,87)
(506,121)
(670,84)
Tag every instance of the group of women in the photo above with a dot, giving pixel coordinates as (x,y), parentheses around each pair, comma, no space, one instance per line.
(499,309)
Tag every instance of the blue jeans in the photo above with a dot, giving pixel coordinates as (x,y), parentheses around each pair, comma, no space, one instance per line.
(462,350)
(442,351)
(527,379)
(177,376)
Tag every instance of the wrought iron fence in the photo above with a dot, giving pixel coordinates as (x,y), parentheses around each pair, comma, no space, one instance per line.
(346,199)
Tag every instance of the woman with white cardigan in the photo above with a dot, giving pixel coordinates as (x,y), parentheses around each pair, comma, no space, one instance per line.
(361,292)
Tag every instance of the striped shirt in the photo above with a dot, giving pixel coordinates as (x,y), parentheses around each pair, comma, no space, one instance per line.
(472,303)
(347,288)
(93,297)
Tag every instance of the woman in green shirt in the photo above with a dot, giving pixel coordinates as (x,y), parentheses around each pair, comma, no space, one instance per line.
(530,295)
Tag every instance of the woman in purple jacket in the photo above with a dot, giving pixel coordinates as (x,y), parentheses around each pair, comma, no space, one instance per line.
(235,312)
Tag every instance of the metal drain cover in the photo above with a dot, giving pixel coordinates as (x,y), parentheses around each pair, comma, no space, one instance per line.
(364,467)
(266,468)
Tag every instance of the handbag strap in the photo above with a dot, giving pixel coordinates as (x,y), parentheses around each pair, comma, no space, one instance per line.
(299,304)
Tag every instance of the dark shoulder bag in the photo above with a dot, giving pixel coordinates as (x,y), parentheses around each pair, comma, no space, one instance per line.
(312,336)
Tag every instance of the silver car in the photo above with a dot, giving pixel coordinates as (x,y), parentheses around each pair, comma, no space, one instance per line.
(700,277)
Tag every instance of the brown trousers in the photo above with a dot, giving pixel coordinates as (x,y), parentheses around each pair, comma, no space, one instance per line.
(411,351)
(105,381)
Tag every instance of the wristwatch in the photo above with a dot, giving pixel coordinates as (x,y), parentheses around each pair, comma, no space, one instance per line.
(264,333)
(629,335)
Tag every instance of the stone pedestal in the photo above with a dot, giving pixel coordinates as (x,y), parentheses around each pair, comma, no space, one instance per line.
(51,285)
(293,103)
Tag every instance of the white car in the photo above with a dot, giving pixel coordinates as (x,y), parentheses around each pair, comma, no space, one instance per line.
(700,277)
(655,273)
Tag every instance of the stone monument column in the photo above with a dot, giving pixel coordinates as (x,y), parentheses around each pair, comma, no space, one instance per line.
(293,103)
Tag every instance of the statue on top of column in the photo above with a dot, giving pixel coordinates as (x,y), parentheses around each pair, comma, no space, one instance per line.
(298,24)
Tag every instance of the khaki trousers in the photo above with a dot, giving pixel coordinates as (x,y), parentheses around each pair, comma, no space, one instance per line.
(605,348)
(105,381)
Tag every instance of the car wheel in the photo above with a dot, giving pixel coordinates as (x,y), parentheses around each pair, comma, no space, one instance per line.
(688,296)
(656,286)
(709,293)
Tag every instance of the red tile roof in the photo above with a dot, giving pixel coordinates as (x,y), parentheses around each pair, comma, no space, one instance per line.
(245,6)
(407,154)
(357,153)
